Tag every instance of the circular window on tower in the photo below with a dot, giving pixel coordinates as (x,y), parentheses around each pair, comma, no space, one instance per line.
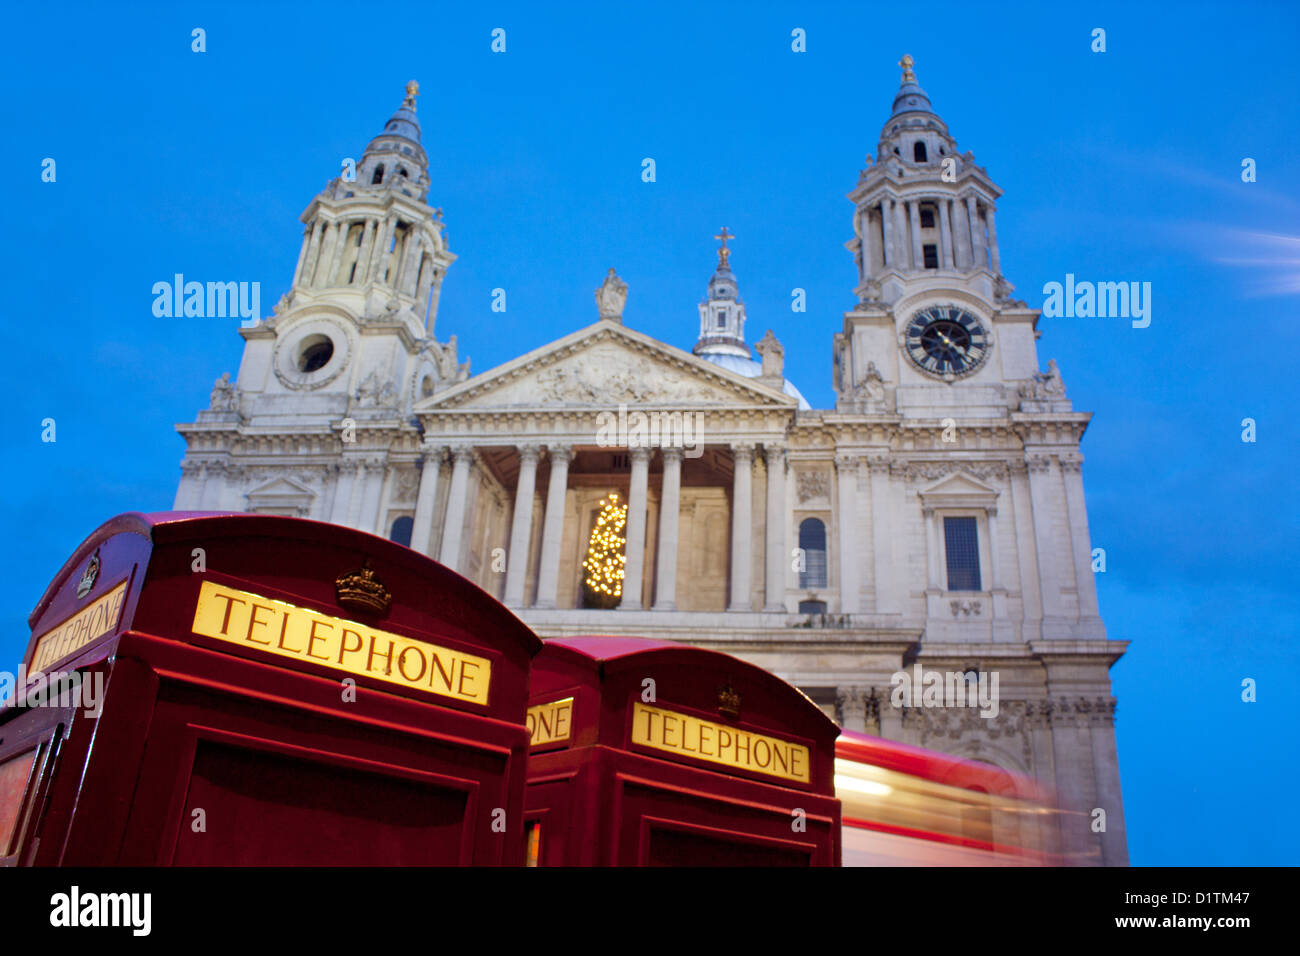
(314,353)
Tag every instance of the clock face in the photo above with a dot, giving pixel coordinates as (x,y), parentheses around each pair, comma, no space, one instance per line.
(946,341)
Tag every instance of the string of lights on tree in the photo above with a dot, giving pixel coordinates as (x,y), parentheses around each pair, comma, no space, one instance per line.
(605,558)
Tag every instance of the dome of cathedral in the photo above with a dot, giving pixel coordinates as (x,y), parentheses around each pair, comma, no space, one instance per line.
(751,369)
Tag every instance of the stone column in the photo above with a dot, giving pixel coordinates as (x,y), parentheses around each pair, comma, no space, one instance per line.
(190,492)
(359,475)
(302,255)
(1026,544)
(214,486)
(324,255)
(634,567)
(993,242)
(410,264)
(945,234)
(426,499)
(995,565)
(881,536)
(369,519)
(933,550)
(309,267)
(853,708)
(548,567)
(868,244)
(847,469)
(979,260)
(887,232)
(521,525)
(777,559)
(901,245)
(343,485)
(454,524)
(669,505)
(742,517)
(961,237)
(336,259)
(914,220)
(1040,498)
(363,254)
(380,255)
(1084,579)
(424,278)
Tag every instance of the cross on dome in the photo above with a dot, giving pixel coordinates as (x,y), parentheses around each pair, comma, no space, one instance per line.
(724,253)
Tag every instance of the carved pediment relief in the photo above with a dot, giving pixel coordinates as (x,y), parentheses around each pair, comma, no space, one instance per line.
(603,366)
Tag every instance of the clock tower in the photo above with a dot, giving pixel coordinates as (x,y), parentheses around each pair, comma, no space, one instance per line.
(935,329)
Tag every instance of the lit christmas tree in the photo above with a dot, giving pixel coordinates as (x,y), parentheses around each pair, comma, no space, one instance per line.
(604,563)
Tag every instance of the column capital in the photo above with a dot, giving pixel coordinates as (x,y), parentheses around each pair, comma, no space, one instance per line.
(461,452)
(742,451)
(847,462)
(671,453)
(1071,462)
(640,453)
(1038,463)
(529,453)
(558,452)
(878,464)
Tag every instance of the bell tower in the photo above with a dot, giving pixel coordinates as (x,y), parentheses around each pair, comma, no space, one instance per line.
(935,332)
(348,351)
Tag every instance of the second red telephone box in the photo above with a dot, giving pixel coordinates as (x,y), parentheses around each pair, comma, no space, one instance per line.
(653,753)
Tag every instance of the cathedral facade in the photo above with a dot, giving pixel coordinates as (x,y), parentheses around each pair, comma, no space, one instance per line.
(933,521)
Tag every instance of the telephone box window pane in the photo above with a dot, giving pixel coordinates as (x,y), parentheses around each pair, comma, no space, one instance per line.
(961,542)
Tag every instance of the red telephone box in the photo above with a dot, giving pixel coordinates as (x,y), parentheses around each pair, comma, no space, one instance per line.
(274,691)
(652,753)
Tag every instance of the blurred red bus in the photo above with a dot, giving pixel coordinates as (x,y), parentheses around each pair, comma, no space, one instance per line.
(905,806)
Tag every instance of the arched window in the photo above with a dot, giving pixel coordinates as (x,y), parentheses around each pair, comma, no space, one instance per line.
(401,171)
(812,541)
(378,177)
(401,530)
(918,151)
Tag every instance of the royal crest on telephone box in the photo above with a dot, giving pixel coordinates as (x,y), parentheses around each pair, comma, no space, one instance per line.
(275,691)
(653,753)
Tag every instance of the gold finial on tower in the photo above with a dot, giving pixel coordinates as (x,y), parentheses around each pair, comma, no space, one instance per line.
(906,63)
(724,253)
(412,91)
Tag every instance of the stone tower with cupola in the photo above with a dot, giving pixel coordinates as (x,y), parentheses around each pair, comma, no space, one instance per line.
(322,402)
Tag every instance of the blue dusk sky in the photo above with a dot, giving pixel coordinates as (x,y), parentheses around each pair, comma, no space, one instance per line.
(1122,165)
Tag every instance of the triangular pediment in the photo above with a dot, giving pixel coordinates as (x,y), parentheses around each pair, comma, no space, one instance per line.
(603,365)
(958,490)
(279,488)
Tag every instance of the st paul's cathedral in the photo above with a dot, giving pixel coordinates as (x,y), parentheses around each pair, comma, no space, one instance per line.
(934,517)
